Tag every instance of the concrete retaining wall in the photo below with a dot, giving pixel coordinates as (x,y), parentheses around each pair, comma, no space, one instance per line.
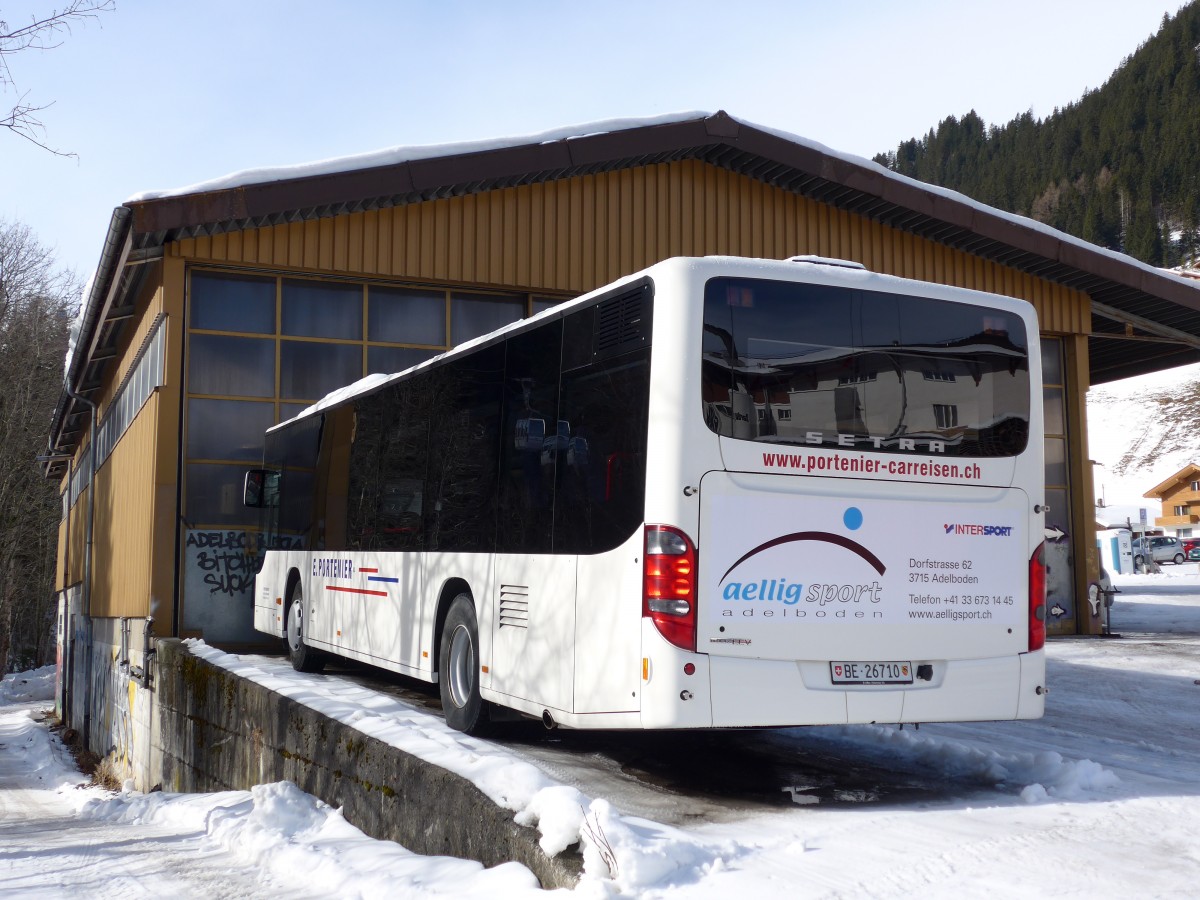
(220,732)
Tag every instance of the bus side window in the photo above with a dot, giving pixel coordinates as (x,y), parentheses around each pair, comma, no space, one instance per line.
(460,495)
(529,456)
(600,494)
(388,467)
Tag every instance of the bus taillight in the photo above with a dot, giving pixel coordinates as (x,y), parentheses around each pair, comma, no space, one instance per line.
(669,584)
(1037,598)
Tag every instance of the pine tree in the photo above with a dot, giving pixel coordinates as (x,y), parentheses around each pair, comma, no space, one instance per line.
(1119,167)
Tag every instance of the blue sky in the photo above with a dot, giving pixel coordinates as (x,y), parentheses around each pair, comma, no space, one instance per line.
(157,95)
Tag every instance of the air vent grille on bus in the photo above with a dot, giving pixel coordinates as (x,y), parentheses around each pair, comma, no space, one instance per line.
(514,606)
(622,322)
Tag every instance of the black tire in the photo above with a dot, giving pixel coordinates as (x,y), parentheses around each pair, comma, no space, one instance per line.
(1179,559)
(458,669)
(304,658)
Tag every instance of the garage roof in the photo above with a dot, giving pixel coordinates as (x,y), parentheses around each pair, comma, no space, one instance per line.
(1144,318)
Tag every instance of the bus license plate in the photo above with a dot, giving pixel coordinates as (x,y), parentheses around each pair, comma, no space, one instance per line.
(871,672)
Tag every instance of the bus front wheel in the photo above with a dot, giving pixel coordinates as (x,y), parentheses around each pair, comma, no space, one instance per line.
(458,669)
(304,658)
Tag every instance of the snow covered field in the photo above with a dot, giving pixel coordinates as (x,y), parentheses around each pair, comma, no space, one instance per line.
(1099,799)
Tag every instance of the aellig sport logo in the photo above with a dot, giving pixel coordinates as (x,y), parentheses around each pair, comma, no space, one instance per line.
(749,591)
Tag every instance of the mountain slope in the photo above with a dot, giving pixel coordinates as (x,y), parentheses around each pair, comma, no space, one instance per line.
(1141,431)
(1116,168)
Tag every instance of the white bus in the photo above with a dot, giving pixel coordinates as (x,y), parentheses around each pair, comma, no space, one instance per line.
(721,492)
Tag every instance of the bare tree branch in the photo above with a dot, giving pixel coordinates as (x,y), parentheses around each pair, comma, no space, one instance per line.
(45,33)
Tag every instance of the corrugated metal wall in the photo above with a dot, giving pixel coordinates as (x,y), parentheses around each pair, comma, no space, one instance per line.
(124,528)
(124,520)
(579,233)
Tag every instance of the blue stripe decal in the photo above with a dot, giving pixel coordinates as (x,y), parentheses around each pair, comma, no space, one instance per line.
(381,578)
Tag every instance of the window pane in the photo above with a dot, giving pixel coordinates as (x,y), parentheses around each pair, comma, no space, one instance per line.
(239,367)
(214,496)
(603,416)
(227,429)
(386,360)
(387,467)
(232,303)
(310,371)
(403,316)
(1052,404)
(863,369)
(322,309)
(291,410)
(533,442)
(463,449)
(543,303)
(1052,368)
(474,314)
(1056,461)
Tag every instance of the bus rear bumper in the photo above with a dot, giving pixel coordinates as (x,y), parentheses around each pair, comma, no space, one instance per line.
(750,692)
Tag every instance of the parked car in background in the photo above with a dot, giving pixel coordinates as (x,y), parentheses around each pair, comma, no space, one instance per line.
(1190,544)
(1194,553)
(1162,549)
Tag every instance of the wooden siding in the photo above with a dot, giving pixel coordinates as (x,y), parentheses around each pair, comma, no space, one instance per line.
(119,584)
(579,233)
(149,305)
(123,529)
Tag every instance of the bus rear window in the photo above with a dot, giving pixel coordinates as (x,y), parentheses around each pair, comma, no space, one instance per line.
(793,363)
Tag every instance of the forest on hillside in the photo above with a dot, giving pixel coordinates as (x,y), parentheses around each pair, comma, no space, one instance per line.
(1119,168)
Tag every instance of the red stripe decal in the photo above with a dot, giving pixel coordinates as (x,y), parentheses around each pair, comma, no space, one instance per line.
(349,590)
(372,571)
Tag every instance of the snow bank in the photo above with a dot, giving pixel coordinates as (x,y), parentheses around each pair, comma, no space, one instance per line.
(299,840)
(634,853)
(24,687)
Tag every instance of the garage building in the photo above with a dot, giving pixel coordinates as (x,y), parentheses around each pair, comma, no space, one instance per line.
(218,311)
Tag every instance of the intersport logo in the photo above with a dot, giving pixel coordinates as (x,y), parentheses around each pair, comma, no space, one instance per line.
(980,530)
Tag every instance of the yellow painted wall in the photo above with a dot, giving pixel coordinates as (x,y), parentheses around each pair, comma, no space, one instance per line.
(579,233)
(124,501)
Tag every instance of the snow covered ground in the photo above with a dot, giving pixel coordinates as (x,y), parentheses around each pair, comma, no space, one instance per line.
(1099,799)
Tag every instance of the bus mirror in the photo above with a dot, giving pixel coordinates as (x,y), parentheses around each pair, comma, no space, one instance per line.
(260,489)
(252,493)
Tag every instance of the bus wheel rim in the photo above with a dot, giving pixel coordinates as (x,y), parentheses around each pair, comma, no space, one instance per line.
(462,656)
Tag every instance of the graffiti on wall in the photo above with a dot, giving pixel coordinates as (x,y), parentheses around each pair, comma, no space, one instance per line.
(219,570)
(223,561)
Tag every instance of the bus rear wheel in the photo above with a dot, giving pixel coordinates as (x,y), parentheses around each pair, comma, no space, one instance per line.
(303,657)
(458,669)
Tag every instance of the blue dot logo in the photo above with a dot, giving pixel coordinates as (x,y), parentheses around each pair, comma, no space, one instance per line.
(853,518)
